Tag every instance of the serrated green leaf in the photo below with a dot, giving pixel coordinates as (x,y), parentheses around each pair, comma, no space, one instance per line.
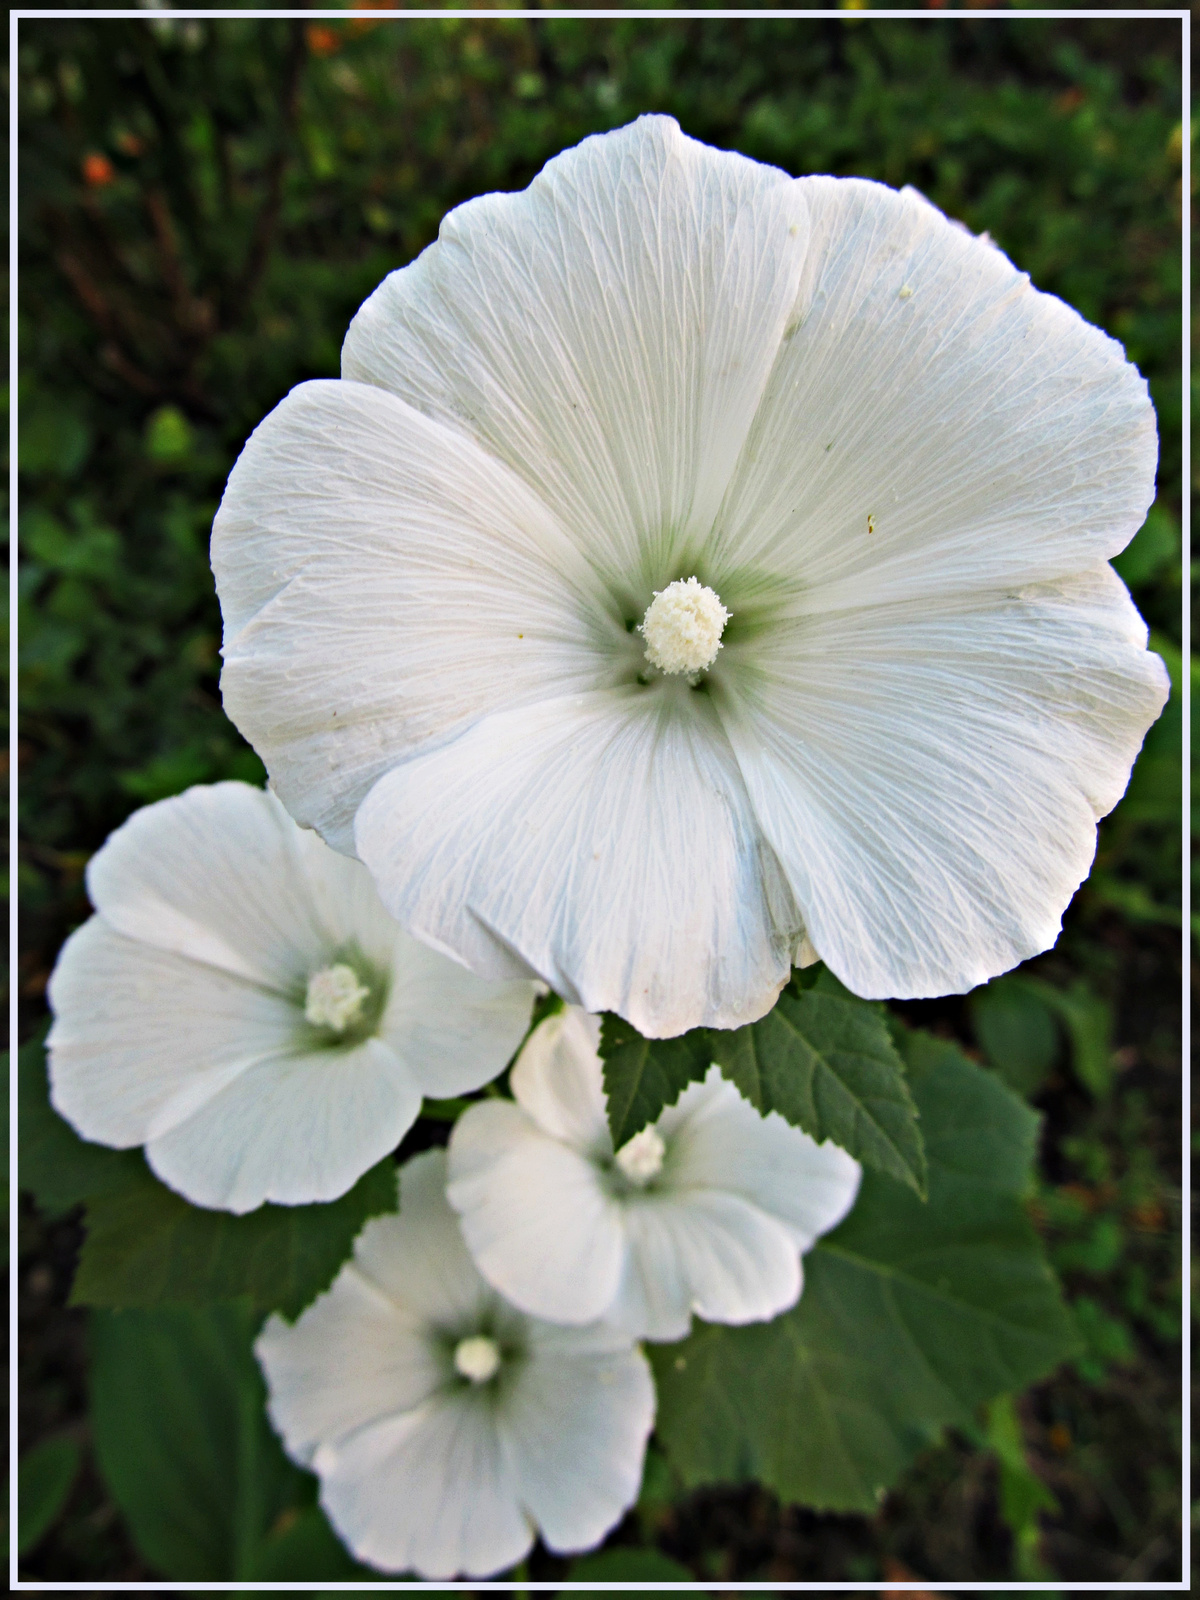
(826,1063)
(147,1246)
(976,1129)
(644,1076)
(912,1315)
(182,1438)
(44,1479)
(54,1164)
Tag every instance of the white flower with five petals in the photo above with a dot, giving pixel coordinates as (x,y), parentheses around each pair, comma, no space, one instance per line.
(243,1006)
(697,568)
(445,1426)
(706,1210)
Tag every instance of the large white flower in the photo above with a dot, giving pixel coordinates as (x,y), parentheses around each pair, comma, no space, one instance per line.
(461,625)
(445,1426)
(244,1007)
(706,1210)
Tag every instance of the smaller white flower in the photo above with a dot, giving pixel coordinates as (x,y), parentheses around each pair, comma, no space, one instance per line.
(707,1210)
(243,1006)
(446,1427)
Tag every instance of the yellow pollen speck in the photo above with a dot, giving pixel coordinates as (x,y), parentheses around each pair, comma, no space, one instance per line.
(905,293)
(870,523)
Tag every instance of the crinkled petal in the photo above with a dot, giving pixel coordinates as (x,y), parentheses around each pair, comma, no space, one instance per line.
(384,581)
(418,1258)
(142,1038)
(576,1422)
(292,1129)
(350,1359)
(221,875)
(931,774)
(431,1490)
(535,1215)
(717,1140)
(453,1031)
(610,847)
(706,1252)
(988,432)
(607,333)
(559,1081)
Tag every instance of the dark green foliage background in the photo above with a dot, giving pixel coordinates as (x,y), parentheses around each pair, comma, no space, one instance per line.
(202,208)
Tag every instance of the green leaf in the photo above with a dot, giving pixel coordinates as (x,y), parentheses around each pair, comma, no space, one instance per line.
(302,1547)
(644,1076)
(53,438)
(182,1438)
(1153,550)
(58,1167)
(628,1565)
(912,1315)
(1088,1021)
(1016,1030)
(826,1062)
(1022,1492)
(44,1480)
(146,1246)
(168,435)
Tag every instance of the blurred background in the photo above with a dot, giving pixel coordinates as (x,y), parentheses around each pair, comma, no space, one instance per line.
(203,206)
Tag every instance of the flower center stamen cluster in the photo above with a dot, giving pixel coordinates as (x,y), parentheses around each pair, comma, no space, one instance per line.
(335,998)
(683,627)
(641,1158)
(477,1358)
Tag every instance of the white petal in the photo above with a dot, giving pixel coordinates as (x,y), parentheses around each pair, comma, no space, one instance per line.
(717,1140)
(559,1081)
(931,775)
(418,1258)
(217,874)
(610,848)
(453,1031)
(432,1490)
(535,1215)
(143,1037)
(351,1358)
(576,1422)
(607,333)
(293,1129)
(702,1251)
(992,436)
(384,581)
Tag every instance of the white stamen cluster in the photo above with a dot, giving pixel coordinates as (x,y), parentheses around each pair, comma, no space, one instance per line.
(641,1158)
(683,627)
(477,1358)
(334,998)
